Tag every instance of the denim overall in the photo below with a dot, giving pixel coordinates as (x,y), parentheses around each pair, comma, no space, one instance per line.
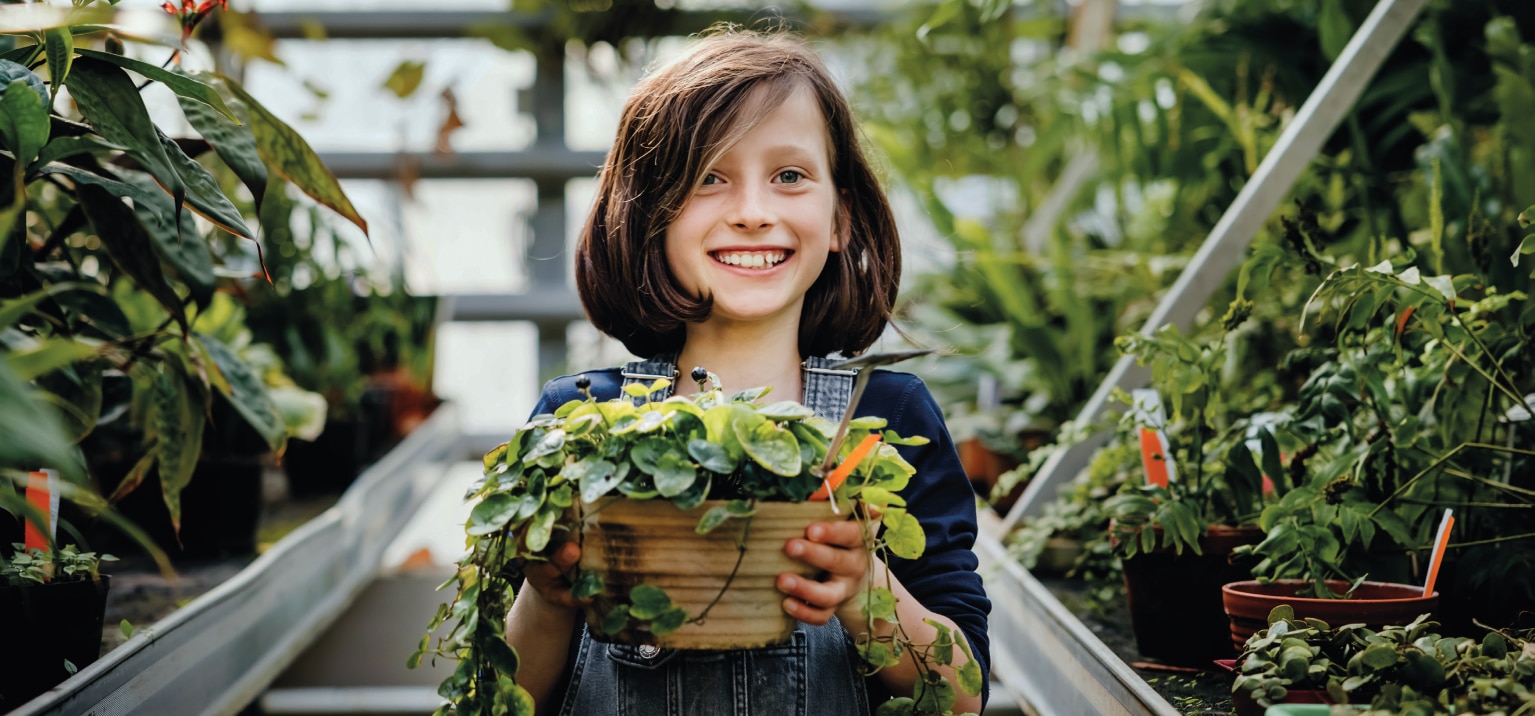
(814,673)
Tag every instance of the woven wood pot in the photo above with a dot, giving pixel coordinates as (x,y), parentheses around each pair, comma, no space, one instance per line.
(632,542)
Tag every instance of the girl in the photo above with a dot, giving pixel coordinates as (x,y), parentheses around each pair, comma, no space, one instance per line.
(739,227)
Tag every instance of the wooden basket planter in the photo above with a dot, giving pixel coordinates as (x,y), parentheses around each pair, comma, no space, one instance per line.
(632,542)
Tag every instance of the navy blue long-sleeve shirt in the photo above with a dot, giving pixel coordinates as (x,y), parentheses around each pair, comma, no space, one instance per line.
(943,579)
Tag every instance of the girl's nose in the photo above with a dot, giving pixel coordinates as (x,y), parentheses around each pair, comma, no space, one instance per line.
(750,211)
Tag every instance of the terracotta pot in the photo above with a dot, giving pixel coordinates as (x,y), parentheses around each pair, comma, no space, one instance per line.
(1175,600)
(632,542)
(1375,604)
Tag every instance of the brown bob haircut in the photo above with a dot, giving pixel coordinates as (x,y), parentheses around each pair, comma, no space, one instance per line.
(677,123)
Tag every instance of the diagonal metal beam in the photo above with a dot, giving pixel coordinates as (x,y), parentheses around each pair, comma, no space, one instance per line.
(1223,249)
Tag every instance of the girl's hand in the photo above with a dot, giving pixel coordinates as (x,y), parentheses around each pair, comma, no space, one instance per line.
(837,549)
(548,578)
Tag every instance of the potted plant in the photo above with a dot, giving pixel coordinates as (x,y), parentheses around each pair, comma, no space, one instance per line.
(705,470)
(54,602)
(1176,537)
(1402,416)
(1399,669)
(97,208)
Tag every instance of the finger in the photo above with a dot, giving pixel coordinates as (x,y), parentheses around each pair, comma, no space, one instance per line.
(843,534)
(806,613)
(829,594)
(837,560)
(566,556)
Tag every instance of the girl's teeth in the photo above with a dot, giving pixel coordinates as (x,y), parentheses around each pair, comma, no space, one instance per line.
(751,260)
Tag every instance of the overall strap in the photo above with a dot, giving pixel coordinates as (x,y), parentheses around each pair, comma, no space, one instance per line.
(645,372)
(827,390)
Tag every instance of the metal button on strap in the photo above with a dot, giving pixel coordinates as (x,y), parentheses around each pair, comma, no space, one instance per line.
(649,651)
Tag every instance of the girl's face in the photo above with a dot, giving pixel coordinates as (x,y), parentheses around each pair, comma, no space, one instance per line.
(757,231)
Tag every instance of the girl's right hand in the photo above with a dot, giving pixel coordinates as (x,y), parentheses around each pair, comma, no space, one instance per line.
(548,578)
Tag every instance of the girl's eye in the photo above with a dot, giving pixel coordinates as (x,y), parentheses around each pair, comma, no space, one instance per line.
(789,176)
(710,179)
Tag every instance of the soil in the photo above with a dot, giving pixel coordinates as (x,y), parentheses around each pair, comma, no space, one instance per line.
(1193,692)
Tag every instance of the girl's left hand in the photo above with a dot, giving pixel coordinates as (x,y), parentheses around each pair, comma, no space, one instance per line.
(837,549)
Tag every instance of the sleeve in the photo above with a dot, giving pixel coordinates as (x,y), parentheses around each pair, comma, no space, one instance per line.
(549,399)
(943,579)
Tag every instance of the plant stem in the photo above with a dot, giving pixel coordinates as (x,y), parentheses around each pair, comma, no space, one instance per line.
(1490,540)
(740,557)
(1503,505)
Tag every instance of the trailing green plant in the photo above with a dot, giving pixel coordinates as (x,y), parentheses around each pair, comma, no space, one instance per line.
(1406,669)
(40,566)
(684,449)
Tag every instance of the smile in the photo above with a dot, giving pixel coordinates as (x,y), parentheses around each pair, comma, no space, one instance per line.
(751,259)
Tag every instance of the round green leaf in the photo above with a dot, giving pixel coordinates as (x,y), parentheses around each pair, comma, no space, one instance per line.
(715,517)
(491,514)
(588,584)
(711,457)
(785,410)
(647,601)
(669,621)
(904,535)
(674,475)
(616,619)
(771,447)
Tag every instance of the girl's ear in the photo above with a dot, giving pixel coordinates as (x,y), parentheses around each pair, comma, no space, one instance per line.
(842,223)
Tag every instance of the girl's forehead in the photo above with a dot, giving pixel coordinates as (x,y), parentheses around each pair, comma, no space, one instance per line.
(776,118)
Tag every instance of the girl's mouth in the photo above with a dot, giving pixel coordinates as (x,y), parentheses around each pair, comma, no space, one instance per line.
(752,259)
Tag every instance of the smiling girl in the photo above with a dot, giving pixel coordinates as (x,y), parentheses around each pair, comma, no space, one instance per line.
(738,227)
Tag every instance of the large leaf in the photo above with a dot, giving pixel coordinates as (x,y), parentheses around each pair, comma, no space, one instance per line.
(11,71)
(75,391)
(189,257)
(23,122)
(13,310)
(288,154)
(48,356)
(204,193)
(111,104)
(177,241)
(183,85)
(33,436)
(233,141)
(179,424)
(59,45)
(65,147)
(245,391)
(129,246)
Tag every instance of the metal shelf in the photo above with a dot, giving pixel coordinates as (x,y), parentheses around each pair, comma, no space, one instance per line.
(217,654)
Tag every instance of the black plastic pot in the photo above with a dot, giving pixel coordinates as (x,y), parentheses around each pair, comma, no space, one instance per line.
(220,510)
(1175,600)
(45,625)
(330,463)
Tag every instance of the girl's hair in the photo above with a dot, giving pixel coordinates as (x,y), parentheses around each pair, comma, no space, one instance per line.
(676,125)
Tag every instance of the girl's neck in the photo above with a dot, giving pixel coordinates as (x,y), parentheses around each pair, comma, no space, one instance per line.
(745,357)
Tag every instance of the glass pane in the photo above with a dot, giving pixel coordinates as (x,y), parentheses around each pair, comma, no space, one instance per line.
(332,92)
(490,371)
(467,235)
